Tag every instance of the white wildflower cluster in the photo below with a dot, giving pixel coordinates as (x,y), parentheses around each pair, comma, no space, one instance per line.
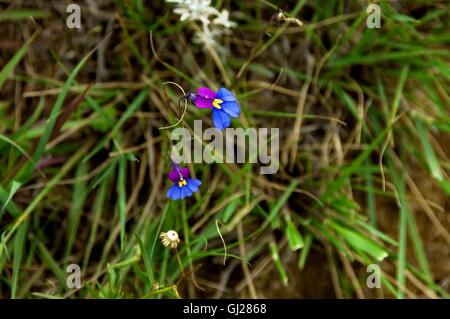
(214,22)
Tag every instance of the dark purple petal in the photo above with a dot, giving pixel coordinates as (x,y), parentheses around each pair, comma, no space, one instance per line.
(185,173)
(203,102)
(174,176)
(207,93)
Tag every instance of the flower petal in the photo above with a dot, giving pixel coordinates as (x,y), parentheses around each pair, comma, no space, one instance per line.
(193,184)
(187,191)
(185,173)
(182,192)
(203,102)
(221,119)
(173,192)
(207,93)
(195,181)
(174,176)
(231,108)
(177,192)
(226,95)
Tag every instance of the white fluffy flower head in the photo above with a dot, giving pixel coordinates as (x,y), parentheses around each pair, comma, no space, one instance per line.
(170,239)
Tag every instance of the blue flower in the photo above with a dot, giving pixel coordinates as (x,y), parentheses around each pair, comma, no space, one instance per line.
(184,186)
(224,105)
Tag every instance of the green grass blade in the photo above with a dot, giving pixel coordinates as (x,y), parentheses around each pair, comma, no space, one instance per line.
(22,14)
(15,59)
(130,110)
(78,199)
(121,200)
(276,259)
(19,246)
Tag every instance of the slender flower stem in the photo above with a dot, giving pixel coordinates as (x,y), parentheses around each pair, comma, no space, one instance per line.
(179,262)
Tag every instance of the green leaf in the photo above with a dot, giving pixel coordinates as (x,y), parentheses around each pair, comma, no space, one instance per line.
(22,14)
(305,251)
(294,237)
(147,261)
(14,187)
(429,154)
(360,241)
(121,201)
(280,203)
(15,59)
(276,259)
(19,246)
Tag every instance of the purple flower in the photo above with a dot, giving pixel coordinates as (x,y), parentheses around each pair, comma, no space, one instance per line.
(223,104)
(184,186)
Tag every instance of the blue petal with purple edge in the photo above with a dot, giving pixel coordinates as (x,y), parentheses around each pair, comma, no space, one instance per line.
(231,108)
(193,184)
(221,119)
(225,95)
(174,192)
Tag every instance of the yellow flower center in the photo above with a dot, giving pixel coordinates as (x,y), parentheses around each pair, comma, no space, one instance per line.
(181,183)
(216,103)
